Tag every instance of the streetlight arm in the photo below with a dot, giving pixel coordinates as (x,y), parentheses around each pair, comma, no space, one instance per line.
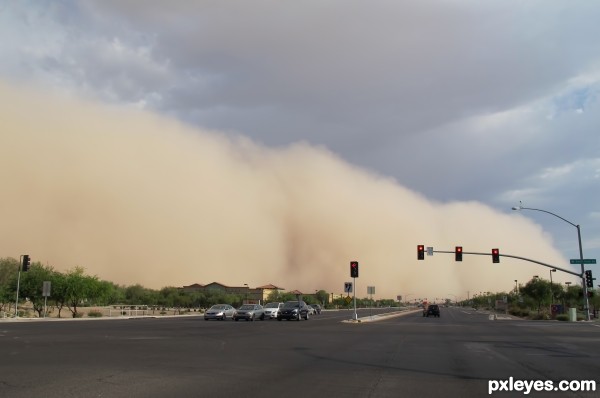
(545,211)
(586,301)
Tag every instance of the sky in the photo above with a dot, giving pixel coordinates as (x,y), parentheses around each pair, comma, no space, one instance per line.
(273,142)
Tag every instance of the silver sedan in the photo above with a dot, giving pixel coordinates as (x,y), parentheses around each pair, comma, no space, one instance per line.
(220,311)
(250,312)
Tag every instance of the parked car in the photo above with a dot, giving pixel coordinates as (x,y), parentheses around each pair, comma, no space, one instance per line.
(294,310)
(250,312)
(317,308)
(433,310)
(272,310)
(220,312)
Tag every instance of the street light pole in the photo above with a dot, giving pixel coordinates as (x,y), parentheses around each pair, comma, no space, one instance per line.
(551,291)
(586,303)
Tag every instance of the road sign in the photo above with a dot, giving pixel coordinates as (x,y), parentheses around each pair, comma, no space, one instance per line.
(348,287)
(46,286)
(585,261)
(370,289)
(347,299)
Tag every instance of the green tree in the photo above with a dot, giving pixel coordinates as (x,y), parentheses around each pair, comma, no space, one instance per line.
(322,297)
(79,289)
(110,294)
(31,285)
(9,269)
(59,291)
(538,290)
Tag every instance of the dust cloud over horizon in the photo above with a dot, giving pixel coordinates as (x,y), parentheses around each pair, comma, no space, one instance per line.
(138,198)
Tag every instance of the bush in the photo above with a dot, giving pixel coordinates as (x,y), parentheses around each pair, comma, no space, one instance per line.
(94,314)
(540,317)
(562,317)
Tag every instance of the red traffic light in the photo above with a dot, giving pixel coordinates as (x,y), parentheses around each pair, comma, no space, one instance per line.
(495,255)
(354,269)
(420,252)
(458,253)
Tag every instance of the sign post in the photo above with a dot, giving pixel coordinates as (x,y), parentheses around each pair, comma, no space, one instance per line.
(46,285)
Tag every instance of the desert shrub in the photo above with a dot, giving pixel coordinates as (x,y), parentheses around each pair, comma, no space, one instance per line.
(562,317)
(94,314)
(539,317)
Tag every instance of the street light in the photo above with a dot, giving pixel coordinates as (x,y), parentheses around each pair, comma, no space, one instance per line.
(586,303)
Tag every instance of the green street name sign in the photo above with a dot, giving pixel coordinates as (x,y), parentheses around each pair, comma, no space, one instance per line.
(584,261)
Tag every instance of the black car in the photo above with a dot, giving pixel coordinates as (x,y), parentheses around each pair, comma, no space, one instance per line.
(433,310)
(293,310)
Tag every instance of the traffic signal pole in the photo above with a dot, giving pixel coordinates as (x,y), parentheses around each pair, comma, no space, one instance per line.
(18,283)
(517,257)
(354,297)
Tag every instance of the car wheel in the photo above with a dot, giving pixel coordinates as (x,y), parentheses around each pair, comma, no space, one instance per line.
(306,317)
(252,318)
(236,319)
(262,317)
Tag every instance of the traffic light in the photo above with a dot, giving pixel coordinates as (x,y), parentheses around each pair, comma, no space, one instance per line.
(354,269)
(420,252)
(495,256)
(26,262)
(589,281)
(458,253)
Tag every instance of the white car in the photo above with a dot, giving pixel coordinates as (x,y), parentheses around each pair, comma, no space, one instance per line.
(272,309)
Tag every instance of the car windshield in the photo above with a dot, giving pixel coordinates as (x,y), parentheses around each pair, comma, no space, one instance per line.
(218,307)
(272,305)
(291,304)
(247,307)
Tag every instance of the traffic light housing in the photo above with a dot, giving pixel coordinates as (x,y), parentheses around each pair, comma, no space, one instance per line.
(26,262)
(458,253)
(495,256)
(420,252)
(589,281)
(354,269)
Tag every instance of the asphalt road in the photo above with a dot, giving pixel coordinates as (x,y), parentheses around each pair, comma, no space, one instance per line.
(406,356)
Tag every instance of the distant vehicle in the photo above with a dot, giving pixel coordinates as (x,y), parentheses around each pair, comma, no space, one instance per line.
(317,308)
(272,310)
(433,310)
(250,312)
(220,312)
(294,310)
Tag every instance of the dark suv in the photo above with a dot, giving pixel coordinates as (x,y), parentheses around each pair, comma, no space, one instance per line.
(293,310)
(433,310)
